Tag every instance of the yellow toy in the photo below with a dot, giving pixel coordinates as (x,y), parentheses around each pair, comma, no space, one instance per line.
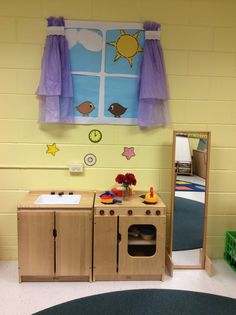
(151,197)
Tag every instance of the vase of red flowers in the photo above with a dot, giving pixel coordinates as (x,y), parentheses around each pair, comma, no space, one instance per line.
(126,180)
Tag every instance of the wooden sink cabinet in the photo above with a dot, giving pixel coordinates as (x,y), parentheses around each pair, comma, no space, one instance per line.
(55,241)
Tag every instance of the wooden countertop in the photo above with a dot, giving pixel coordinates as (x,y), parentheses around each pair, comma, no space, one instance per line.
(86,201)
(134,201)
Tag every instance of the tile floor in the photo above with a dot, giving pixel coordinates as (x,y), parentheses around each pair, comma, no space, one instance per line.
(27,298)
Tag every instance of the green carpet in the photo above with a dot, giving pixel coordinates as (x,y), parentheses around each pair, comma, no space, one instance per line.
(147,302)
(188,224)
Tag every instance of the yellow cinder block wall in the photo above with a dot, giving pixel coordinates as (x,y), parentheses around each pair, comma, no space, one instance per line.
(198,38)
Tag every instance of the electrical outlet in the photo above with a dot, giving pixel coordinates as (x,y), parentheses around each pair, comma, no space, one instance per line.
(76,168)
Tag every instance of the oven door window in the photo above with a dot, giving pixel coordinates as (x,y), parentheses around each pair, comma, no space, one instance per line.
(142,240)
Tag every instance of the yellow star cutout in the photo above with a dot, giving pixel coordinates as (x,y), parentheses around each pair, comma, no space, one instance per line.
(52,149)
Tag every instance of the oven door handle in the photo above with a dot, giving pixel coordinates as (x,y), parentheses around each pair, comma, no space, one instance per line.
(118,238)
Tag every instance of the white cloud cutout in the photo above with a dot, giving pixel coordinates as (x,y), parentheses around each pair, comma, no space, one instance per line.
(89,39)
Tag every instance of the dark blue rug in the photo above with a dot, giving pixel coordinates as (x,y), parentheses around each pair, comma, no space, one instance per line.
(147,302)
(188,224)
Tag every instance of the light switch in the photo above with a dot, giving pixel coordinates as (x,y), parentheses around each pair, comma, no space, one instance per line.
(76,168)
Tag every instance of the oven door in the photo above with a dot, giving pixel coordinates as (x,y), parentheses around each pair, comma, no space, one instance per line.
(142,245)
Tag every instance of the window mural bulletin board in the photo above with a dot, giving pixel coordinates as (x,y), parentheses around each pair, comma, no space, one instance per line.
(105,63)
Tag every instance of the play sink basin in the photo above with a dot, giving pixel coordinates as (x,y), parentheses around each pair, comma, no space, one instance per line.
(58,200)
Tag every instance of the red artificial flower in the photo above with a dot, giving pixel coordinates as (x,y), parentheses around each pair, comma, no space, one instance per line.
(130,179)
(120,178)
(126,180)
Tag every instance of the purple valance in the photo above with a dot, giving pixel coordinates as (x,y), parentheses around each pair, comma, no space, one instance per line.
(55,88)
(153,91)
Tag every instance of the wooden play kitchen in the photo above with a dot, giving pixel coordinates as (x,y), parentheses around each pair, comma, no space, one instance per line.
(91,241)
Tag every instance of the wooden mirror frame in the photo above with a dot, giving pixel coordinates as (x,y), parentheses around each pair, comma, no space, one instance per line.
(205,261)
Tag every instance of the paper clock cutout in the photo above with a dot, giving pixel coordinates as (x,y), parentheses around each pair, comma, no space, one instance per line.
(95,135)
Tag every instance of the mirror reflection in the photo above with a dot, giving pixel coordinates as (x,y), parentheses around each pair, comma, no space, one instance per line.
(189,203)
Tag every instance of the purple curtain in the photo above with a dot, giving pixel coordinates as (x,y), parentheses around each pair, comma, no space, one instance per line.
(153,91)
(55,87)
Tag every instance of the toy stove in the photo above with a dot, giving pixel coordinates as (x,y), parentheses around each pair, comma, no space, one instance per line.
(129,239)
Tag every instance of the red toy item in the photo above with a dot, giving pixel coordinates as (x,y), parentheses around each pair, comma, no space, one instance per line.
(117,192)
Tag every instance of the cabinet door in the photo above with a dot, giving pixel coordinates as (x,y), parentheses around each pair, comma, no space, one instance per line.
(139,255)
(36,243)
(73,243)
(105,246)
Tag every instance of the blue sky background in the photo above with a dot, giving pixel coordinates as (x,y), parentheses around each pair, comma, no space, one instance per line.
(86,88)
(83,59)
(123,91)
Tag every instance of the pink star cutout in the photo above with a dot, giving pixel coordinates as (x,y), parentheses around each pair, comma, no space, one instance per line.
(128,152)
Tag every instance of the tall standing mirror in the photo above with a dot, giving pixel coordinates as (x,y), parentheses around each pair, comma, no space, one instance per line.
(190,174)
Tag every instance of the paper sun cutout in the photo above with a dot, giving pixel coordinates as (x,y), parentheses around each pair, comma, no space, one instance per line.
(52,149)
(128,152)
(127,46)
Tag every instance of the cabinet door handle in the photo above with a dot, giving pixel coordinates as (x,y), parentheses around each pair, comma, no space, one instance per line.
(119,237)
(54,233)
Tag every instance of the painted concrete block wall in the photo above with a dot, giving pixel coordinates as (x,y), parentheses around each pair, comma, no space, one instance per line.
(198,38)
